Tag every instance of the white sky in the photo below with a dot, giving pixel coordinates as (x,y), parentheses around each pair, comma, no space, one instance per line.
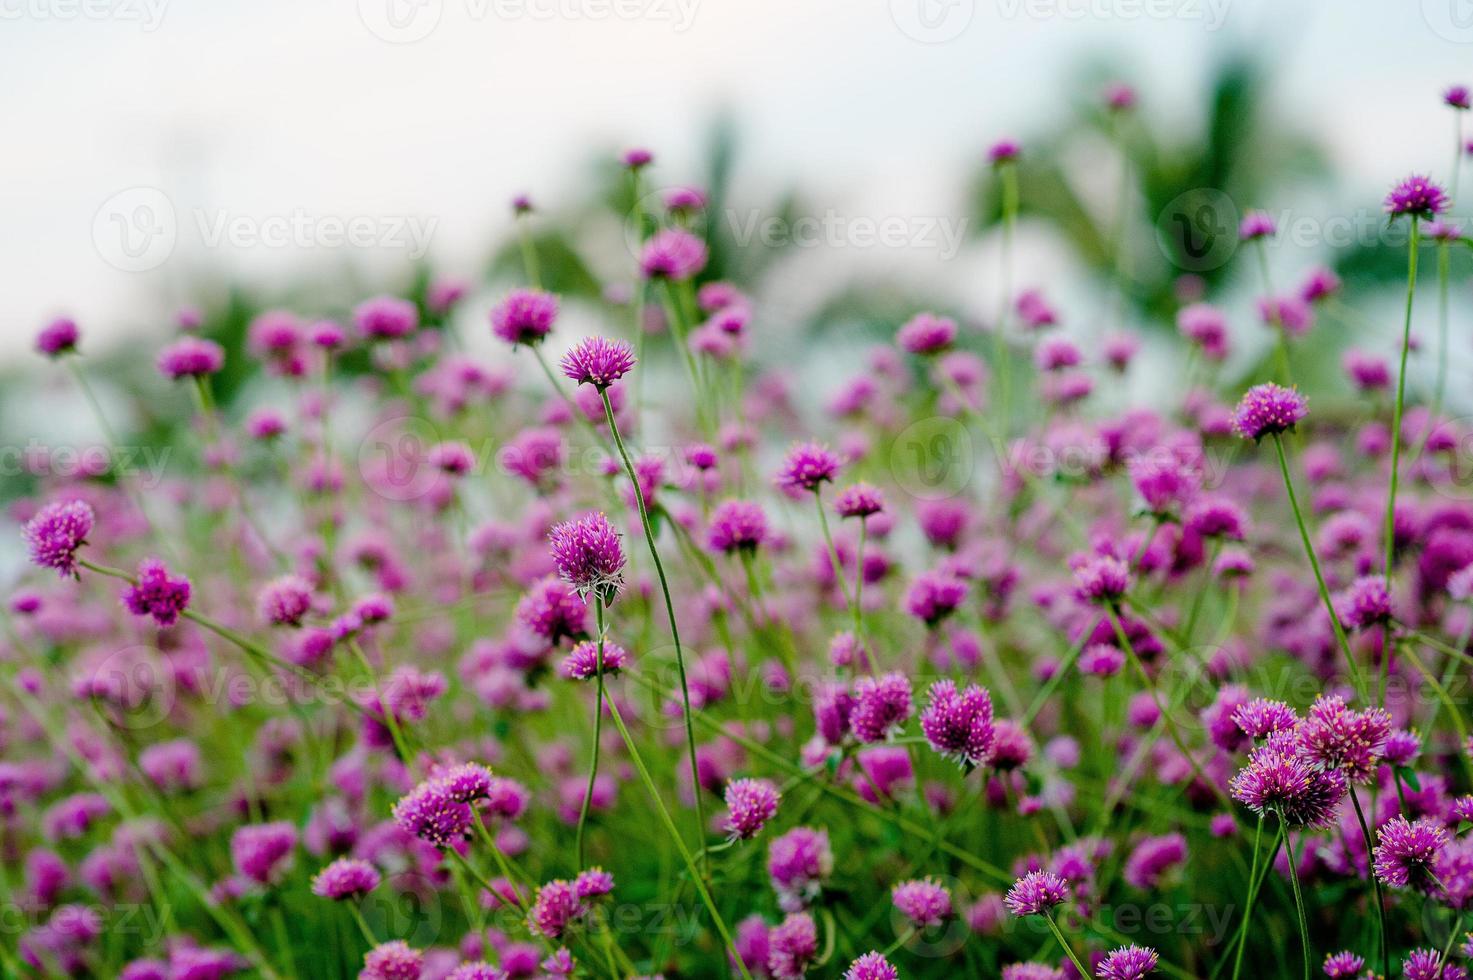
(239,111)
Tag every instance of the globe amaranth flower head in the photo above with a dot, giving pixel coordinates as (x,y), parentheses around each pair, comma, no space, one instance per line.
(922,901)
(1127,963)
(934,595)
(737,525)
(859,500)
(750,803)
(598,361)
(157,593)
(261,852)
(798,862)
(432,814)
(1256,225)
(1101,579)
(395,960)
(58,337)
(345,878)
(926,333)
(57,532)
(1427,964)
(1268,409)
(284,601)
(958,724)
(1334,737)
(589,555)
(524,316)
(1457,97)
(1278,779)
(1417,196)
(550,609)
(1343,964)
(1406,853)
(871,966)
(1364,603)
(191,357)
(583,663)
(807,466)
(673,253)
(386,318)
(1003,151)
(1262,717)
(1036,893)
(881,706)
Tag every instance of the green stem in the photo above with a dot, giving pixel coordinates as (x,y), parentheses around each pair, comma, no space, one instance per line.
(649,537)
(598,720)
(1365,833)
(1298,899)
(1401,384)
(1314,563)
(1068,950)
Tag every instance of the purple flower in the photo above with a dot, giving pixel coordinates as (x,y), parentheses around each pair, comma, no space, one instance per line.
(1127,963)
(598,361)
(923,902)
(386,318)
(1345,964)
(557,906)
(582,663)
(430,813)
(1101,579)
(1456,97)
(1278,779)
(1268,409)
(1425,964)
(959,724)
(881,705)
(673,253)
(1364,603)
(58,337)
(750,803)
(524,316)
(345,878)
(284,601)
(737,525)
(1417,196)
(807,466)
(191,357)
(638,157)
(589,555)
(797,863)
(551,610)
(1036,893)
(56,533)
(392,961)
(1406,853)
(1003,151)
(859,500)
(1334,737)
(1261,717)
(871,966)
(1256,225)
(926,333)
(157,594)
(794,944)
(262,851)
(934,595)
(1152,858)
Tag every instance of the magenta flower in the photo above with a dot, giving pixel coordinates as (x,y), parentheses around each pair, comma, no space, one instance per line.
(959,724)
(881,706)
(598,361)
(1277,779)
(284,601)
(807,466)
(386,318)
(926,333)
(871,966)
(191,357)
(524,316)
(430,813)
(58,337)
(589,555)
(1334,737)
(933,596)
(1003,151)
(1417,196)
(261,852)
(1364,603)
(557,906)
(157,594)
(750,803)
(737,526)
(1345,964)
(924,902)
(394,960)
(552,610)
(1036,893)
(859,500)
(345,878)
(582,663)
(1101,579)
(798,862)
(1268,409)
(57,533)
(1406,853)
(1256,225)
(674,254)
(1127,963)
(794,944)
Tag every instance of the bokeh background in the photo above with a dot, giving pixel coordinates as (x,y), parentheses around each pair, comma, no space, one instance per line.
(231,157)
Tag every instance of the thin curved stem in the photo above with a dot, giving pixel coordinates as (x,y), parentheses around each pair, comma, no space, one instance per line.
(1365,833)
(598,720)
(649,537)
(1389,529)
(1068,950)
(1248,902)
(1298,899)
